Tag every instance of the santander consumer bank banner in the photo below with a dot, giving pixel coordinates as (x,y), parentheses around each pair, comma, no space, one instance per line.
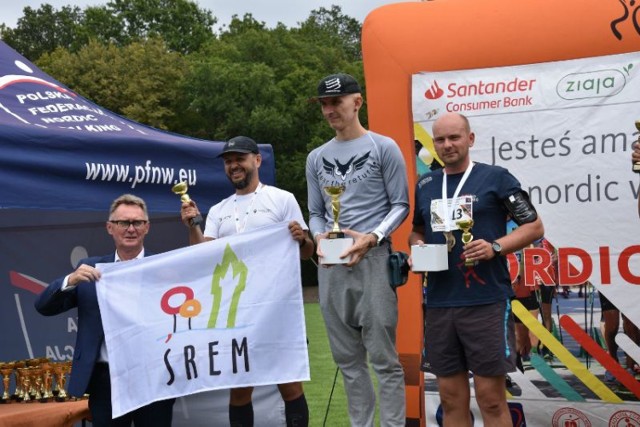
(565,130)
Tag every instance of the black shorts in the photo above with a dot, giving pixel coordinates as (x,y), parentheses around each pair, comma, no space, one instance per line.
(605,304)
(480,339)
(530,303)
(547,293)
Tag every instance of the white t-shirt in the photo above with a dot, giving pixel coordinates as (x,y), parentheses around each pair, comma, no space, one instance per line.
(238,213)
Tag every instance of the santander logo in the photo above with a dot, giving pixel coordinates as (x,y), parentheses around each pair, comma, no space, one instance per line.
(434,91)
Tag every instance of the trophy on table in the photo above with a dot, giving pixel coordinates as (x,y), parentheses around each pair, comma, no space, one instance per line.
(6,369)
(47,381)
(25,384)
(465,225)
(335,243)
(19,392)
(36,375)
(60,370)
(181,190)
(636,165)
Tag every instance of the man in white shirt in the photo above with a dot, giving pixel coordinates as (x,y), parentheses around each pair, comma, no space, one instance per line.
(253,205)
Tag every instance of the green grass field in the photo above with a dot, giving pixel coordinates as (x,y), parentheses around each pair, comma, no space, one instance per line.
(323,371)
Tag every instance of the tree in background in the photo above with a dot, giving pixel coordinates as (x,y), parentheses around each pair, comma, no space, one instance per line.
(180,23)
(141,81)
(333,27)
(43,30)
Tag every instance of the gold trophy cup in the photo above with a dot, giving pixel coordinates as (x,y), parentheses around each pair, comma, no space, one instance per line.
(25,384)
(60,370)
(636,165)
(6,369)
(465,225)
(181,190)
(335,192)
(335,243)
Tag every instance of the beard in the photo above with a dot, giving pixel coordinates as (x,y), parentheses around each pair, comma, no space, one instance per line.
(243,183)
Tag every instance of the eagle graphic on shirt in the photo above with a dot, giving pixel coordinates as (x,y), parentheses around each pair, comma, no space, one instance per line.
(343,170)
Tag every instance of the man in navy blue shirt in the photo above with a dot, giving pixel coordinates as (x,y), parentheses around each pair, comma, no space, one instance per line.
(468,319)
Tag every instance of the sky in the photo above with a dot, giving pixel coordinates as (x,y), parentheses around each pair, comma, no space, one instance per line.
(289,12)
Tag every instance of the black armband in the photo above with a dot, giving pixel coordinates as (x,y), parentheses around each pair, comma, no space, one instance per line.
(520,208)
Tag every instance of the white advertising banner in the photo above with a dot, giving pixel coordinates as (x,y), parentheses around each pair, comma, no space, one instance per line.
(222,314)
(552,413)
(565,130)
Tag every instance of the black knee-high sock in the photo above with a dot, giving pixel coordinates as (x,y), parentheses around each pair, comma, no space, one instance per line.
(241,416)
(296,412)
(519,363)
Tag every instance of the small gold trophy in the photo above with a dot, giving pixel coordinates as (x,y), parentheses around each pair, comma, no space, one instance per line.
(636,165)
(335,243)
(465,225)
(25,384)
(181,190)
(47,381)
(6,369)
(61,369)
(18,392)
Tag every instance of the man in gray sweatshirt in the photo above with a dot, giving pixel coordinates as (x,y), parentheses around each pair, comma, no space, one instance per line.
(358,304)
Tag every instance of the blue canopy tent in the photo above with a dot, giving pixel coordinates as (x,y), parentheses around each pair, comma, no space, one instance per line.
(63,159)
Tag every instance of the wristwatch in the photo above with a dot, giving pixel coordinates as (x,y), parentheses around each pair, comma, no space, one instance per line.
(497,248)
(378,238)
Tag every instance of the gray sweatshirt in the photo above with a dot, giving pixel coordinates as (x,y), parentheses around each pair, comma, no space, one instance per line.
(372,169)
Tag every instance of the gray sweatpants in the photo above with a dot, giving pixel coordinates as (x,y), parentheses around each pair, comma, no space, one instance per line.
(360,311)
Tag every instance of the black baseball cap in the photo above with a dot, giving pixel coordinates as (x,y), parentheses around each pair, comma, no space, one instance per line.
(337,85)
(240,144)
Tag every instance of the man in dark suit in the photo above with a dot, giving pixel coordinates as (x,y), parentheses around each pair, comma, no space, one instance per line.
(128,224)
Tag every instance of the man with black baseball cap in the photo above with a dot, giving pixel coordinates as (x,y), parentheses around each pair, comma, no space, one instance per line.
(253,205)
(358,304)
(337,85)
(240,144)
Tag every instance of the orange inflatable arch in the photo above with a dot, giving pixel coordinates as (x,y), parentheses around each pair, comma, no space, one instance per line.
(402,39)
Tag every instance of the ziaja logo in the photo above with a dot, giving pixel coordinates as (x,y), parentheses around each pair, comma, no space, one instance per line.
(191,307)
(593,84)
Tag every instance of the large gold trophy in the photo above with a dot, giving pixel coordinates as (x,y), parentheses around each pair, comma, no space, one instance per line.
(465,225)
(181,190)
(335,192)
(335,243)
(636,165)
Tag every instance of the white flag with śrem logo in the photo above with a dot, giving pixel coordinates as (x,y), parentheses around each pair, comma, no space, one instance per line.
(222,314)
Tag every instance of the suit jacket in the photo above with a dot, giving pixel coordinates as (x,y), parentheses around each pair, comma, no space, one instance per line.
(90,334)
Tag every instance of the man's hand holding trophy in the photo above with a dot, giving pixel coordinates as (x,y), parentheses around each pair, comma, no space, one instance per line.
(181,190)
(335,244)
